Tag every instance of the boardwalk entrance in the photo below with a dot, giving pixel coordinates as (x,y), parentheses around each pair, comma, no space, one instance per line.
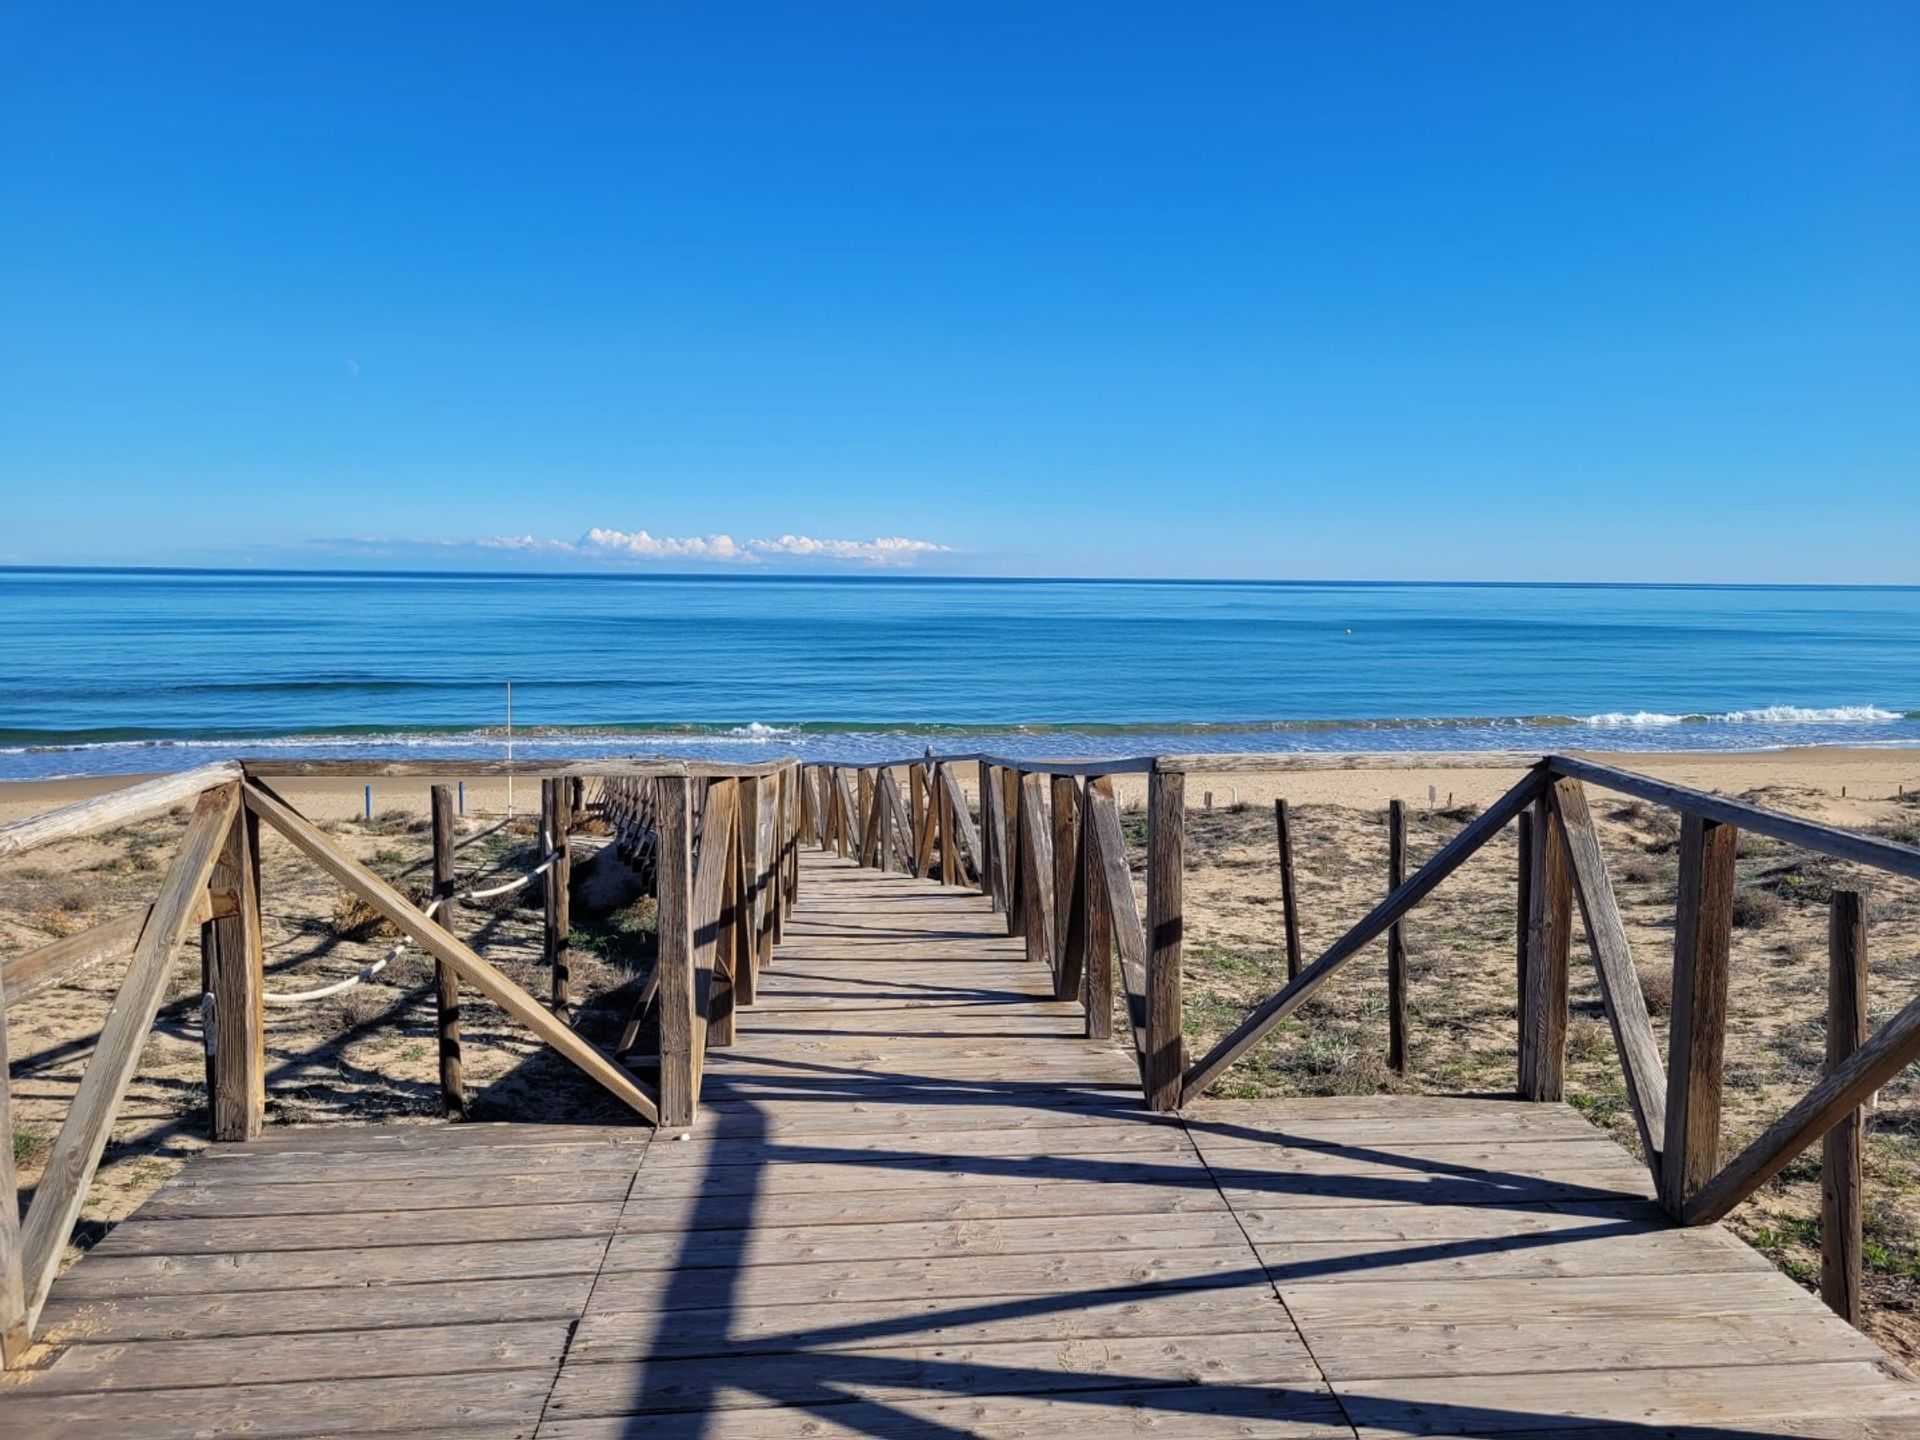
(920,1203)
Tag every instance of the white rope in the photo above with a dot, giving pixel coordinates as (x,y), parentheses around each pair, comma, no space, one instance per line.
(367,972)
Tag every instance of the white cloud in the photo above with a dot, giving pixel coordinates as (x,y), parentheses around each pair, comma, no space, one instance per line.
(603,543)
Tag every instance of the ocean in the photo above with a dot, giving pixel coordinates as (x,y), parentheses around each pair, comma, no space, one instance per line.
(121,671)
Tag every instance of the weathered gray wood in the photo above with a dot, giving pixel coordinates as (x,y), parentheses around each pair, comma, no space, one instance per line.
(1421,883)
(1289,900)
(1164,1059)
(1702,945)
(446,980)
(1522,914)
(963,829)
(1843,1148)
(1543,1008)
(15,1329)
(1069,907)
(232,961)
(1888,855)
(991,883)
(1007,813)
(1620,992)
(1108,847)
(76,1151)
(679,1087)
(55,963)
(471,968)
(116,808)
(1398,1014)
(557,920)
(1096,920)
(1036,852)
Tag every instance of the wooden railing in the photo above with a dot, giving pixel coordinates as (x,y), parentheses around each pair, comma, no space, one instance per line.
(726,865)
(1050,853)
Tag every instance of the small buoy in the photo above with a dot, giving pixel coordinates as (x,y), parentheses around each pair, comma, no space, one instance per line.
(1349,629)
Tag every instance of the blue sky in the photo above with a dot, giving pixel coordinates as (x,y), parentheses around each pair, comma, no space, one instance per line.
(1390,291)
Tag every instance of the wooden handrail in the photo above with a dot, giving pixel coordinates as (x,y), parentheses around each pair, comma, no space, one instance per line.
(116,808)
(59,961)
(1829,840)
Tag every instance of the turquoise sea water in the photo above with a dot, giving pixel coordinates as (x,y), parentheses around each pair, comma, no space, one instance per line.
(124,671)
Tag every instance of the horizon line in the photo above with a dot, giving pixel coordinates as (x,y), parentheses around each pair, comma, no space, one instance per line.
(895,577)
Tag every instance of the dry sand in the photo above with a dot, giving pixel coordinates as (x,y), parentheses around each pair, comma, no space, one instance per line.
(368,1055)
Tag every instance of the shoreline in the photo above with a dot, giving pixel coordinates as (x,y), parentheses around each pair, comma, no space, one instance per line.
(1849,782)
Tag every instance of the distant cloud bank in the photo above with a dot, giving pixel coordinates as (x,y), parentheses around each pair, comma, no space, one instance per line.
(600,543)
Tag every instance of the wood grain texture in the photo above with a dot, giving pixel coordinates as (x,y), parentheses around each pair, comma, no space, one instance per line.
(1843,1148)
(232,963)
(116,1055)
(1399,1013)
(1543,1007)
(55,963)
(119,807)
(1696,1045)
(1164,1058)
(446,980)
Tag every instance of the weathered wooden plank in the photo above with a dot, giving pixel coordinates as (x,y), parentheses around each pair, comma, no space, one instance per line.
(1289,899)
(118,807)
(16,1329)
(1696,1045)
(1625,1002)
(296,1315)
(1543,1004)
(59,961)
(1843,1148)
(529,1220)
(428,1350)
(83,1137)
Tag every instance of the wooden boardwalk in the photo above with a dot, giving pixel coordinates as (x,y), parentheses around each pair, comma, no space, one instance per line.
(917,1203)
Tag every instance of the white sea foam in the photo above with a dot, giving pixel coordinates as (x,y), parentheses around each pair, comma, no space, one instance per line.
(1764,715)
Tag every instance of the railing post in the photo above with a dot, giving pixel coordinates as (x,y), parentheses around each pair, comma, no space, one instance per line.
(1096,971)
(723,989)
(1289,900)
(1012,801)
(989,851)
(1523,908)
(1037,875)
(15,1333)
(942,822)
(863,799)
(1165,1058)
(555,821)
(1696,1046)
(1397,1013)
(674,827)
(783,818)
(446,983)
(233,966)
(745,945)
(1069,899)
(1543,1008)
(1843,1148)
(767,876)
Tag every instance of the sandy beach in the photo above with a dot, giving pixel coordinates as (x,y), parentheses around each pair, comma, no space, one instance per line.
(367,1054)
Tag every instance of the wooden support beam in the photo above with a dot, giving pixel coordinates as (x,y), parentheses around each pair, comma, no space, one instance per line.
(1011,828)
(1543,1008)
(1069,901)
(116,1054)
(1418,886)
(1165,1058)
(557,928)
(746,943)
(16,1333)
(1620,993)
(1397,1008)
(679,1089)
(58,961)
(723,1007)
(232,961)
(712,918)
(114,809)
(989,853)
(473,970)
(1696,1045)
(446,980)
(869,827)
(969,848)
(1107,845)
(1036,850)
(1522,910)
(1096,908)
(1289,898)
(1843,1148)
